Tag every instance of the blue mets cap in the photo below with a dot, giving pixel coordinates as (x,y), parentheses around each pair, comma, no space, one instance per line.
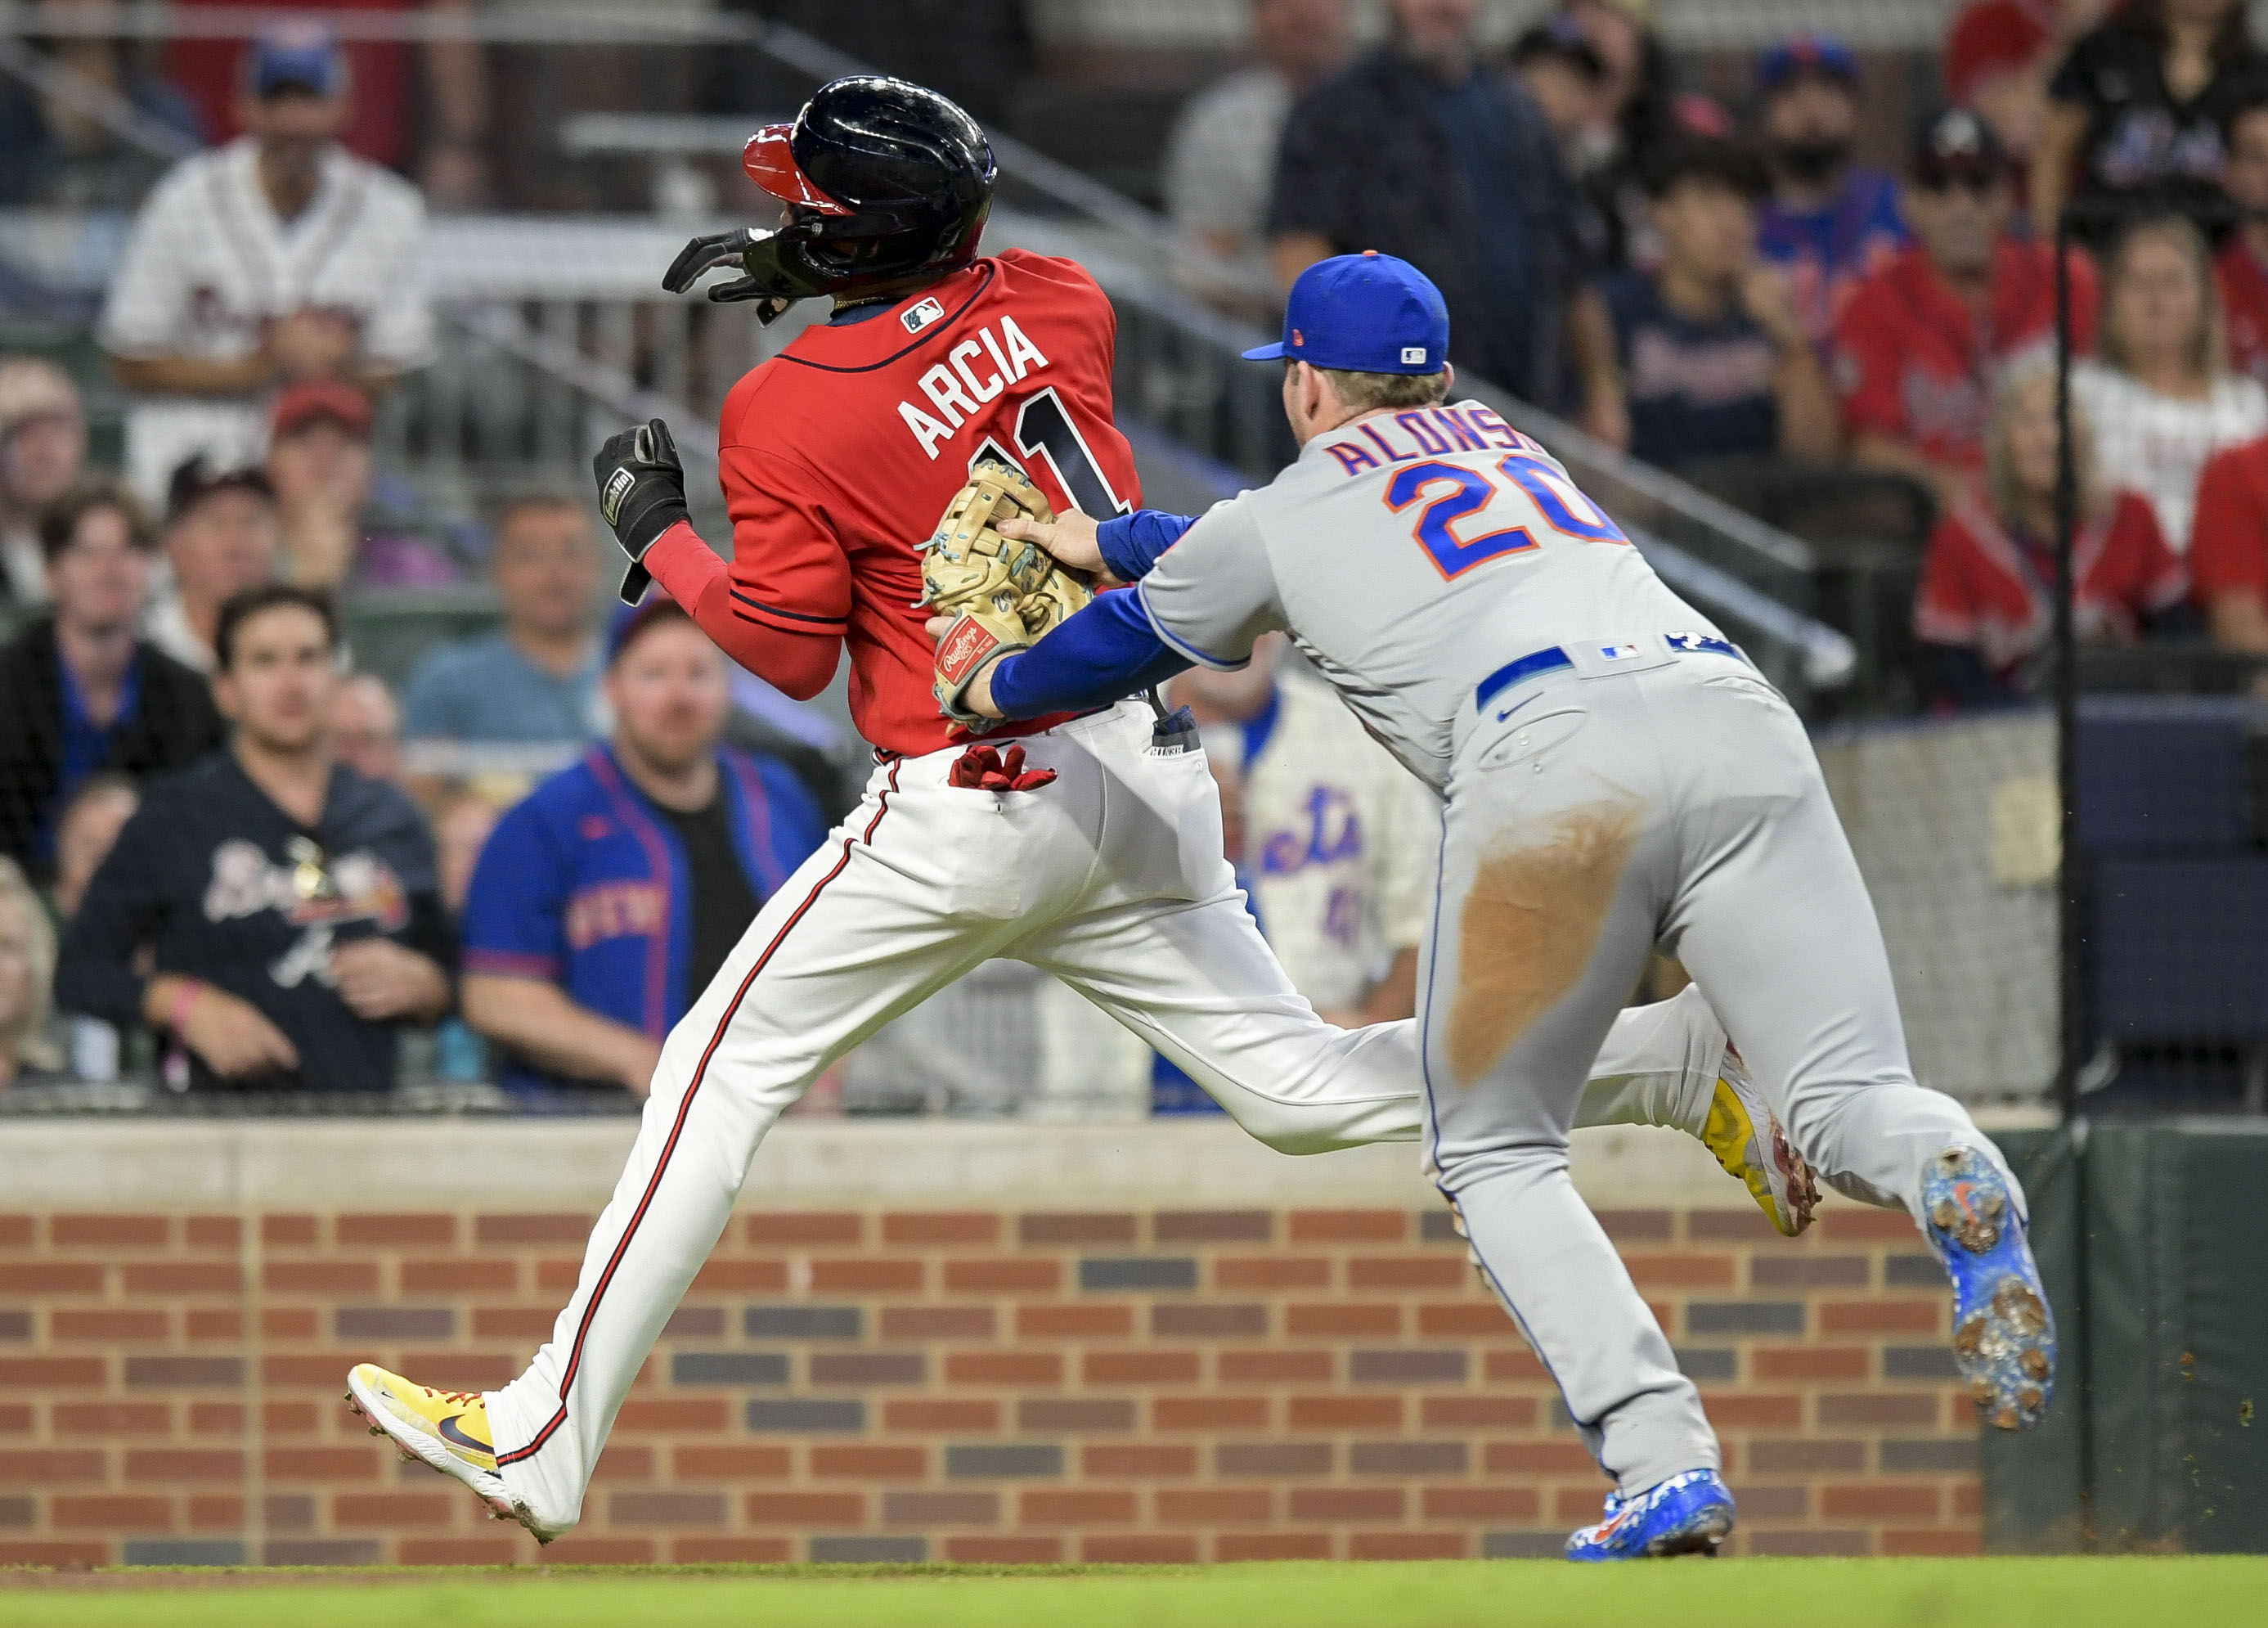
(1362,314)
(1806,53)
(296,53)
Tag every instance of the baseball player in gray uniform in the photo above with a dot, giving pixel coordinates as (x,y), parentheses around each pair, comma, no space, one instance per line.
(1615,776)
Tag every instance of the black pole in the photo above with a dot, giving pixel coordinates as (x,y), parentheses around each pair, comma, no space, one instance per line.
(2070,927)
(2078,1387)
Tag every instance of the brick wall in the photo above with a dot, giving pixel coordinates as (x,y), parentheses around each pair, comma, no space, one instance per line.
(1170,1385)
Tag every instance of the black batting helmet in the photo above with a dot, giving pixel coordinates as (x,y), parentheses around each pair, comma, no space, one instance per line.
(885,182)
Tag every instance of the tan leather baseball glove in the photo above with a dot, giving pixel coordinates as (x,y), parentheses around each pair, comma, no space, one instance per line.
(1002,596)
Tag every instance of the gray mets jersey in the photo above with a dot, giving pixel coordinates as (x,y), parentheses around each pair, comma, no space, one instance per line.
(1409,555)
(1616,777)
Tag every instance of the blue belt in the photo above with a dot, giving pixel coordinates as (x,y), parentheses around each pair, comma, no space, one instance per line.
(1551,659)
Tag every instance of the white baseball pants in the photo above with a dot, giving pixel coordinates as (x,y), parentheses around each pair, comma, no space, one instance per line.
(1112,879)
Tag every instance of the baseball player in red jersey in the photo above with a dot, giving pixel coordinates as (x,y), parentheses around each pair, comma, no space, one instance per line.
(1100,860)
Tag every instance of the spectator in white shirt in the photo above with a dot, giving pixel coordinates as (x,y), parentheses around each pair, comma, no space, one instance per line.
(279,256)
(1220,159)
(42,450)
(2162,396)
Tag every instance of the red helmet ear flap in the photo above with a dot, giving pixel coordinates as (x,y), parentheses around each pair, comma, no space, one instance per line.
(771,163)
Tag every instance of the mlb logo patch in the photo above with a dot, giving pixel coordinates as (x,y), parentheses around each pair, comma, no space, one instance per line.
(1413,356)
(1617,653)
(920,315)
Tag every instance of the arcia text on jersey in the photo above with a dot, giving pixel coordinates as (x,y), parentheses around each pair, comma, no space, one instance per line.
(972,373)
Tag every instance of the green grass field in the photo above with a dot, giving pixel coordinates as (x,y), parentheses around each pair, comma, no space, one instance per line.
(1730,1594)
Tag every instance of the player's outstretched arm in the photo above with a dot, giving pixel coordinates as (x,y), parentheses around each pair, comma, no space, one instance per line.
(1123,547)
(1098,655)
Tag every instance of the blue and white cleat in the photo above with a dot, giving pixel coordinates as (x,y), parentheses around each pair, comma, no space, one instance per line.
(1687,1514)
(2004,1338)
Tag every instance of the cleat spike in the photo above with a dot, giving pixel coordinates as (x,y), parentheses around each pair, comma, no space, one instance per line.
(2004,1332)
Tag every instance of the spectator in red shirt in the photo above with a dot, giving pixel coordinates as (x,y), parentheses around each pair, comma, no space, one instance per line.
(1921,343)
(2242,263)
(2228,553)
(1985,606)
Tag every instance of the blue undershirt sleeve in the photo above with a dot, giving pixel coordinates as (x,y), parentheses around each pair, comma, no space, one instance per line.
(1131,544)
(1104,654)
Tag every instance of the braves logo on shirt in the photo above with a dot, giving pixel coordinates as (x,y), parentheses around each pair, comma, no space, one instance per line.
(316,893)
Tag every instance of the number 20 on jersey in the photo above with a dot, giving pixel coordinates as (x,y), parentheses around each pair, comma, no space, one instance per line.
(1451,493)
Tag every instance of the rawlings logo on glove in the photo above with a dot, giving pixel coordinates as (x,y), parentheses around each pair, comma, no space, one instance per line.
(1002,596)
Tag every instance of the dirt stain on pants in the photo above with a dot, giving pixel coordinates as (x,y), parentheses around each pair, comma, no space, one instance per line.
(1530,923)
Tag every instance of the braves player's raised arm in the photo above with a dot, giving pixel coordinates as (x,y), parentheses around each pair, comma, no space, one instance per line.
(781,607)
(1214,592)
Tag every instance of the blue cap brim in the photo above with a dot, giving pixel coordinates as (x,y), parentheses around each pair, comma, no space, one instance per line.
(1266,353)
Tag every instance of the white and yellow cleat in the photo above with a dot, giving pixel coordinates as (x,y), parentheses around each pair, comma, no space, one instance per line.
(1747,1140)
(445,1429)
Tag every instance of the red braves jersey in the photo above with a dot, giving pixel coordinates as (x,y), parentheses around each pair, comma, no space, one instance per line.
(1914,366)
(839,455)
(2244,304)
(1982,587)
(2228,547)
(1993,37)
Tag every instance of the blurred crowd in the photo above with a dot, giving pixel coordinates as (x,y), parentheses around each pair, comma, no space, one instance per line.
(235,860)
(1727,292)
(218,863)
(231,856)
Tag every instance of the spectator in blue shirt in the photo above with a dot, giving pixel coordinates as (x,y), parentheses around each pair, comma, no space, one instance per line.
(1713,361)
(535,680)
(1829,221)
(603,905)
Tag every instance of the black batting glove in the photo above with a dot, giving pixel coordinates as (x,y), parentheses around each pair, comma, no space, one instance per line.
(641,495)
